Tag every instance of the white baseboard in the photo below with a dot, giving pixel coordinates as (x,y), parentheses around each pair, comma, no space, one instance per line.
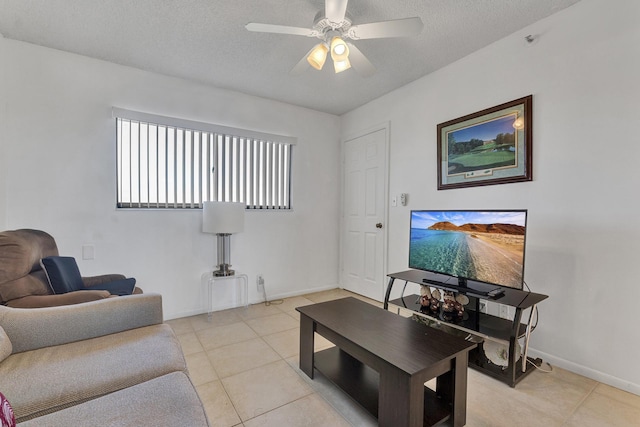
(258,299)
(188,313)
(587,372)
(295,293)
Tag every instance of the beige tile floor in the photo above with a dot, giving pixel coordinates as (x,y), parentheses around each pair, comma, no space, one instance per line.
(244,363)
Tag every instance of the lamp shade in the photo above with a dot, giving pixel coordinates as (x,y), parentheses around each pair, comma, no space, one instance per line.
(318,56)
(223,217)
(340,66)
(339,50)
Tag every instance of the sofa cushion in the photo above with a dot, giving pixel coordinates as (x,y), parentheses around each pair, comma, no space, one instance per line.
(62,273)
(5,345)
(20,254)
(79,371)
(169,400)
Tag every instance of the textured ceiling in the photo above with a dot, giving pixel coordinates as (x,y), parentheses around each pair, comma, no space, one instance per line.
(205,40)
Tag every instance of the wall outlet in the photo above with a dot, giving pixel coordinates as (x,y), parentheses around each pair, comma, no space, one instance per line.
(483,307)
(260,282)
(88,252)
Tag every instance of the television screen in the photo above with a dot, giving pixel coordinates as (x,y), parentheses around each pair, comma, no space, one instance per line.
(486,246)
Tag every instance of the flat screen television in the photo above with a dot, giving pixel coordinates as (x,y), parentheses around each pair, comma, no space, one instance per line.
(485,246)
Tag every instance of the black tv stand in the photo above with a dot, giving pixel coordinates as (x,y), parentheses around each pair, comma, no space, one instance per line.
(478,290)
(475,322)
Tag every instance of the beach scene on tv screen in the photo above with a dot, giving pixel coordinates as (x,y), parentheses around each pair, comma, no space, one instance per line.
(485,246)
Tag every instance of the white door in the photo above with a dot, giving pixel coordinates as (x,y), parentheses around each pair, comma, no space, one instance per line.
(363,237)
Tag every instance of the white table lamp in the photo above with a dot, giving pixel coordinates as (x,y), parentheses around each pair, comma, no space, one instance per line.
(223,219)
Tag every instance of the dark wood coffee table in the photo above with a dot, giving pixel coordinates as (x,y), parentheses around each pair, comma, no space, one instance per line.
(383,360)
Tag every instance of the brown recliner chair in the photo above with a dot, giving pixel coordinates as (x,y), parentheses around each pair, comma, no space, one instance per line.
(23,283)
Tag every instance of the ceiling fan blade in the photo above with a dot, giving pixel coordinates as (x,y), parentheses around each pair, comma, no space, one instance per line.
(335,10)
(280,29)
(378,30)
(359,62)
(302,65)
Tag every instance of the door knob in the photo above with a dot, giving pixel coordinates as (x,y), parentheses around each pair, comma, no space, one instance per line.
(379,225)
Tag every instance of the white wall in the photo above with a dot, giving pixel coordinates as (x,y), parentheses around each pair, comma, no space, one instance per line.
(583,237)
(60,175)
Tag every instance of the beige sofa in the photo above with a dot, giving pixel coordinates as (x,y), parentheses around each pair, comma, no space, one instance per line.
(111,362)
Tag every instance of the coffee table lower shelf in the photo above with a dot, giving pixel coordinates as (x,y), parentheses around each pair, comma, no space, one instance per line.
(362,382)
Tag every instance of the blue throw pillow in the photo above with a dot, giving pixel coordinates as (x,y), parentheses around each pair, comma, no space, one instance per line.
(63,274)
(118,287)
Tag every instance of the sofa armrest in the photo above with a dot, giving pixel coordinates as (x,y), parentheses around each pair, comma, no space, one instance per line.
(98,280)
(106,278)
(34,328)
(75,297)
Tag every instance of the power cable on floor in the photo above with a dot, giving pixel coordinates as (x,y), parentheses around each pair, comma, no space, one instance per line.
(266,301)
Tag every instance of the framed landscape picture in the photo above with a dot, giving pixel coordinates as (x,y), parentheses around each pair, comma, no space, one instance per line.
(492,146)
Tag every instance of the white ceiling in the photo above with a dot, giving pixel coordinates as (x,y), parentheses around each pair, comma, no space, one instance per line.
(205,40)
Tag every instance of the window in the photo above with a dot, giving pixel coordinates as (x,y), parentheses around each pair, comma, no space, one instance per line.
(172,163)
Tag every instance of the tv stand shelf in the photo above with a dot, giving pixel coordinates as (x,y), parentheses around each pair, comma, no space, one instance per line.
(484,325)
(474,322)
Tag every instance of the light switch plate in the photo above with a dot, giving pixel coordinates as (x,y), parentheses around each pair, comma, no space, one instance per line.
(88,252)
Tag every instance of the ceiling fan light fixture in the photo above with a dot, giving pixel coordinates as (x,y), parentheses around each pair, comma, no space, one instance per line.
(340,66)
(339,50)
(318,56)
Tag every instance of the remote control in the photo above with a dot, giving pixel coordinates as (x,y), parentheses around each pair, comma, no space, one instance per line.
(495,293)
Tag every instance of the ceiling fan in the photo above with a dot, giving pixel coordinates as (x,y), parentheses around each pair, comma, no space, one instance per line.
(333,26)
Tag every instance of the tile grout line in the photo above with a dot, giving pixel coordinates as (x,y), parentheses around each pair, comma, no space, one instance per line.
(231,401)
(218,378)
(225,388)
(281,406)
(311,390)
(579,404)
(272,347)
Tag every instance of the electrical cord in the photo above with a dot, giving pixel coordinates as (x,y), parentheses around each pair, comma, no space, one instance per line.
(533,328)
(540,369)
(266,301)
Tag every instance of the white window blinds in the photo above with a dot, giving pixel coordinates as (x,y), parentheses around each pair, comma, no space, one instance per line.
(172,163)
